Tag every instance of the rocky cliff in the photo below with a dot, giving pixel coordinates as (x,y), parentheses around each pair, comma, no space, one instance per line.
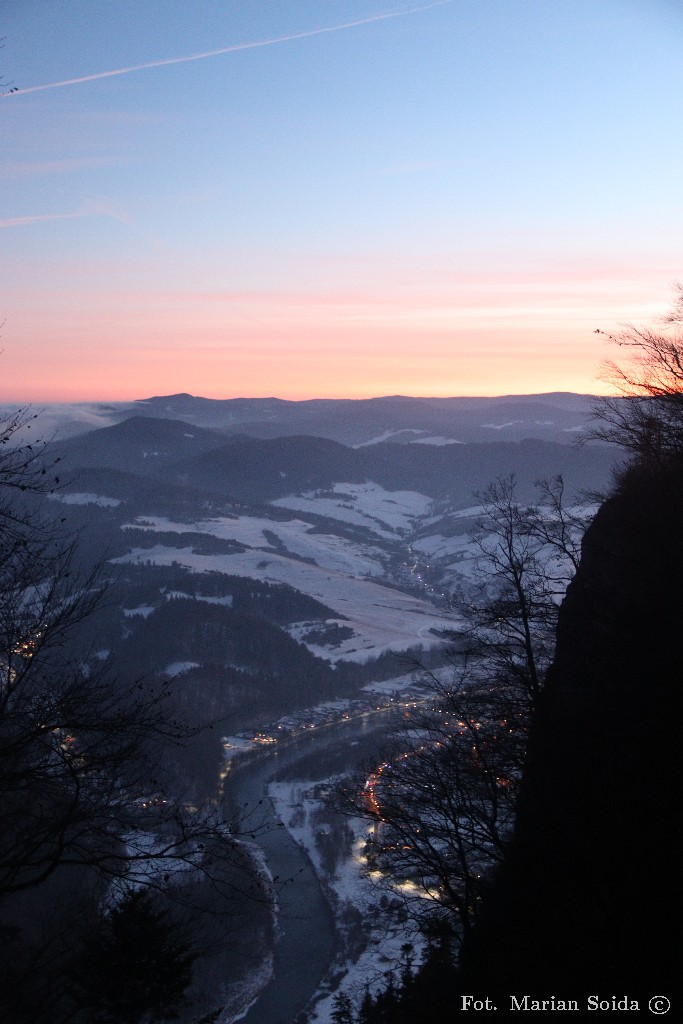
(587,900)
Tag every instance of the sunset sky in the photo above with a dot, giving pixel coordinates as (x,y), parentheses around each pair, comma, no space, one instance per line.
(351,199)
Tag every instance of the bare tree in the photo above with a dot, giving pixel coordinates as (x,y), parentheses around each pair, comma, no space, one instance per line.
(84,814)
(6,88)
(80,754)
(645,414)
(443,798)
(77,748)
(527,553)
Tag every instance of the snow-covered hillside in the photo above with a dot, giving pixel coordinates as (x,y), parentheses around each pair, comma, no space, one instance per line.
(386,513)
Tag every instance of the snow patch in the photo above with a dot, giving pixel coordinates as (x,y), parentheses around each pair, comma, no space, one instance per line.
(438,441)
(387,435)
(142,609)
(177,668)
(84,498)
(501,426)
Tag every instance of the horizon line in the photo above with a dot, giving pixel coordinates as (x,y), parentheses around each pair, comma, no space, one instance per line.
(35,403)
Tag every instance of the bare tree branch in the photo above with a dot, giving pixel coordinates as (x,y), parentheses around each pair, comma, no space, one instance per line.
(442,801)
(645,414)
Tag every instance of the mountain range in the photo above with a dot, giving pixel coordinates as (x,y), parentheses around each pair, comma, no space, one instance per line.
(264,459)
(365,507)
(555,416)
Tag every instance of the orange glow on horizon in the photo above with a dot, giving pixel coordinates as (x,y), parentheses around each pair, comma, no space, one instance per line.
(486,334)
(293,366)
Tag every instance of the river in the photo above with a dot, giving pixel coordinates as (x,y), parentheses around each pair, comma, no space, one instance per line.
(305,945)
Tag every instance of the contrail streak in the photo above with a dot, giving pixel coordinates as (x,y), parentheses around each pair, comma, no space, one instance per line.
(38,218)
(227,49)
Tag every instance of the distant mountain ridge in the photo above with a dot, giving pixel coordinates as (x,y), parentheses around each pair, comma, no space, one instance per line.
(553,416)
(556,416)
(246,468)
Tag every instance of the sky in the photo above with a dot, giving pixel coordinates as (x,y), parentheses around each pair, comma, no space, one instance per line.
(333,198)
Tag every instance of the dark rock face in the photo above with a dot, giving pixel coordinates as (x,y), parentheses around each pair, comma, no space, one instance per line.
(587,901)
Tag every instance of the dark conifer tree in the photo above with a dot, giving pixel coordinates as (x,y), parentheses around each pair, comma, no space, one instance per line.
(342,1009)
(138,966)
(367,1008)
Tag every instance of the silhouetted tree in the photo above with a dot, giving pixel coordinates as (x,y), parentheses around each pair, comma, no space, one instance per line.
(6,88)
(526,556)
(423,995)
(645,415)
(342,1009)
(138,964)
(443,799)
(77,749)
(80,751)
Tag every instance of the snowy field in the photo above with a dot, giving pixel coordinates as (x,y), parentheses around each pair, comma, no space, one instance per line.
(381,618)
(294,536)
(386,513)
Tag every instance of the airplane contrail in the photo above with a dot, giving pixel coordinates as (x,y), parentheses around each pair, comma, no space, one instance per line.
(227,49)
(37,218)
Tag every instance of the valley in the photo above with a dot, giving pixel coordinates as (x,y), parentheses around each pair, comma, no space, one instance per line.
(284,590)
